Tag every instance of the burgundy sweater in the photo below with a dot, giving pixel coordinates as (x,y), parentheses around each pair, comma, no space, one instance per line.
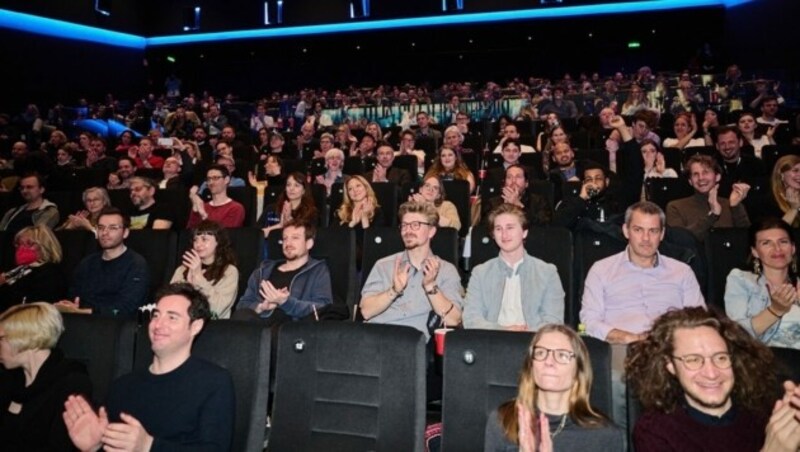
(681,432)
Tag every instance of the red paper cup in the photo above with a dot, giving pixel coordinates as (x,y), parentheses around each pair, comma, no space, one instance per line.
(439,337)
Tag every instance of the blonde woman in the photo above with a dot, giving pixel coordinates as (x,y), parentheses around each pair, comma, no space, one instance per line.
(552,409)
(37,275)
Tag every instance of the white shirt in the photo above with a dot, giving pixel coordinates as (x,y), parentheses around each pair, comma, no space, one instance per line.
(511,307)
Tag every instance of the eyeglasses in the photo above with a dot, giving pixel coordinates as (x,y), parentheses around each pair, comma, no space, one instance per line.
(721,360)
(561,356)
(413,225)
(431,187)
(110,227)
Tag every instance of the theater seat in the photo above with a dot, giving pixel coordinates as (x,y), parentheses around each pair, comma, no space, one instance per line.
(344,386)
(105,345)
(725,249)
(243,348)
(159,248)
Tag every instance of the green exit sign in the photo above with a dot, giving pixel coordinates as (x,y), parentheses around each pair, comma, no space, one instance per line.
(634,45)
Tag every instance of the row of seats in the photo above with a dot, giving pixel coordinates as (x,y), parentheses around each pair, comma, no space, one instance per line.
(573,255)
(344,385)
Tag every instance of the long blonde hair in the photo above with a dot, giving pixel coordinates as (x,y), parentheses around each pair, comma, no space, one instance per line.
(345,212)
(580,410)
(49,246)
(783,165)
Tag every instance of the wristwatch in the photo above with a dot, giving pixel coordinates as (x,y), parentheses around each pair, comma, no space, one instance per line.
(433,291)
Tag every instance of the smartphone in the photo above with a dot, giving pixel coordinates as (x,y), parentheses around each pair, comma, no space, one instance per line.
(165,142)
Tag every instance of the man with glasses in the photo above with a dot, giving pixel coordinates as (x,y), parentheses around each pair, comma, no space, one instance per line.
(147,213)
(514,291)
(114,281)
(706,384)
(220,208)
(36,209)
(414,287)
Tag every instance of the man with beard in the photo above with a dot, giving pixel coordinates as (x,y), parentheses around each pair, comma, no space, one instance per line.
(114,281)
(408,287)
(282,291)
(706,384)
(147,214)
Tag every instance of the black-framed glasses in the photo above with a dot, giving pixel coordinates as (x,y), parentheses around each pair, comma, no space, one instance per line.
(561,356)
(721,360)
(413,225)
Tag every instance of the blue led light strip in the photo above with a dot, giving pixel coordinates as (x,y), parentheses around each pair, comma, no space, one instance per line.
(56,28)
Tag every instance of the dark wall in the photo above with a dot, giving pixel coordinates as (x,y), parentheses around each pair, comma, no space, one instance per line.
(48,70)
(496,52)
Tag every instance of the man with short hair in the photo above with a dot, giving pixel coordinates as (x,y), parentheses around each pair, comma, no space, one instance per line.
(595,202)
(384,171)
(172,174)
(36,209)
(220,208)
(514,291)
(114,281)
(706,384)
(625,292)
(735,166)
(126,168)
(566,169)
(279,291)
(414,286)
(230,164)
(147,214)
(424,130)
(705,209)
(97,157)
(769,111)
(199,394)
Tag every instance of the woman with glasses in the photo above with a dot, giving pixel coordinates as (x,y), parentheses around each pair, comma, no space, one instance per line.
(38,275)
(94,200)
(37,380)
(766,300)
(552,409)
(210,265)
(432,191)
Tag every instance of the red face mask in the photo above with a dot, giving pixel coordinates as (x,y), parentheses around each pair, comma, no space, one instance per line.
(26,255)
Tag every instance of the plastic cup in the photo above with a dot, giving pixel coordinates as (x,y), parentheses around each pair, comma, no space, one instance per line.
(439,337)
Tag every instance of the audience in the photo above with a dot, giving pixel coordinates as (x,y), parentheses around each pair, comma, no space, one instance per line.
(552,410)
(706,384)
(294,203)
(37,380)
(210,265)
(148,213)
(432,191)
(785,200)
(514,291)
(114,281)
(95,199)
(765,301)
(200,393)
(449,166)
(34,211)
(221,209)
(414,287)
(37,274)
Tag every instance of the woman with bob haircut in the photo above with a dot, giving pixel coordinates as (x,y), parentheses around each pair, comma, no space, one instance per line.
(210,265)
(38,379)
(552,409)
(38,275)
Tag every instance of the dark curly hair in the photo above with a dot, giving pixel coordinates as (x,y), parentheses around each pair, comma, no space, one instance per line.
(657,389)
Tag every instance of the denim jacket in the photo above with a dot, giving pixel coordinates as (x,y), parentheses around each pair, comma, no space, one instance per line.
(746,295)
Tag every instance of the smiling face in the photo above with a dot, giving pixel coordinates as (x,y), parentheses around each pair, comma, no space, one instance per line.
(508,232)
(549,375)
(729,146)
(431,189)
(709,388)
(93,201)
(171,330)
(448,158)
(681,127)
(414,239)
(702,178)
(791,178)
(205,245)
(385,156)
(356,191)
(452,139)
(774,248)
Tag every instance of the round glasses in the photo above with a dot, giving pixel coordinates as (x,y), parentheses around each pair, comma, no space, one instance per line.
(721,360)
(413,225)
